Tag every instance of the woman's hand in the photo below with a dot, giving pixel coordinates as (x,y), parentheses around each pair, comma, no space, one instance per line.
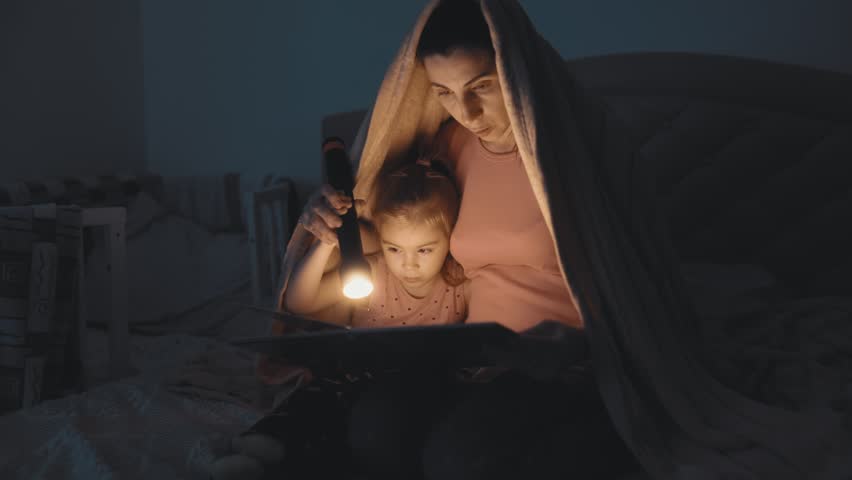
(321,215)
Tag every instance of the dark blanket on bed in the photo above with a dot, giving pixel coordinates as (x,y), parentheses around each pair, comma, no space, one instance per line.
(750,167)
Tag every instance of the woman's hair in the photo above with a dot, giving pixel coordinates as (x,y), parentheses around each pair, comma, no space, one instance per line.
(421,192)
(454,24)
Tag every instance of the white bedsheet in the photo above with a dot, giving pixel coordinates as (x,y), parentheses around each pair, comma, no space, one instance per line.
(135,428)
(130,429)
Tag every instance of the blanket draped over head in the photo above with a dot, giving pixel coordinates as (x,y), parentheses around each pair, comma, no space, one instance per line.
(677,417)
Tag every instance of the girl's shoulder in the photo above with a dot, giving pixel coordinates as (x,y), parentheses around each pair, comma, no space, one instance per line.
(465,290)
(462,288)
(456,287)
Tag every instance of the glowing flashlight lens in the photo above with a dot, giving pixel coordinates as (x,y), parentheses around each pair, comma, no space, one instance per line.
(357,286)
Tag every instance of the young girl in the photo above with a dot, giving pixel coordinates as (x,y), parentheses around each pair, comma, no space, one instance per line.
(415,280)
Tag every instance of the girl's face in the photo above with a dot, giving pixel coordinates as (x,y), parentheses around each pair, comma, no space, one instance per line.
(466,84)
(414,253)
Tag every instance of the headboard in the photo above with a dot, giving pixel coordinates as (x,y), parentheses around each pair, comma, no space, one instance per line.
(753,159)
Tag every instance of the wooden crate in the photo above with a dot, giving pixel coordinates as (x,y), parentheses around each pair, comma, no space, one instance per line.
(272,214)
(41,326)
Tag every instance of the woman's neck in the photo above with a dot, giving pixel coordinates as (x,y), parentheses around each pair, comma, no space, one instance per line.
(498,148)
(503,145)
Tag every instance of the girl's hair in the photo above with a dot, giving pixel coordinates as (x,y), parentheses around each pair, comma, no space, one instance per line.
(421,192)
(454,24)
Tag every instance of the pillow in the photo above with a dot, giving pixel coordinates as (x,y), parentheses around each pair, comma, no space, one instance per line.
(142,210)
(173,266)
(212,201)
(177,265)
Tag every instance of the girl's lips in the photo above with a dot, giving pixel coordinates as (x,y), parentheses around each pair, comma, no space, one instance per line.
(481,131)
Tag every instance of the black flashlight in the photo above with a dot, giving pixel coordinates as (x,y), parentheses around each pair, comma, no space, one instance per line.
(355,274)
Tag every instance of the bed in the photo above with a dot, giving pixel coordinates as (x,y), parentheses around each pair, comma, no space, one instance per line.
(751,166)
(193,247)
(750,161)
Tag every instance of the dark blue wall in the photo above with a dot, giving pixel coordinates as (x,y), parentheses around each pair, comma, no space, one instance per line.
(70,88)
(243,85)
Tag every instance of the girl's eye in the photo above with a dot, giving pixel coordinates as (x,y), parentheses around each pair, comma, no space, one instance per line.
(392,249)
(443,93)
(425,251)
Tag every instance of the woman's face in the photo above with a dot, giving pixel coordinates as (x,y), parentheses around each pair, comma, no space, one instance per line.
(466,83)
(414,253)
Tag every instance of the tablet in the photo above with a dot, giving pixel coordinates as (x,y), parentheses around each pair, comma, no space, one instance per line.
(352,349)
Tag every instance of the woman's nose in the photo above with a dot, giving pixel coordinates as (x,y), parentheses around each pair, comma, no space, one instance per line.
(471,108)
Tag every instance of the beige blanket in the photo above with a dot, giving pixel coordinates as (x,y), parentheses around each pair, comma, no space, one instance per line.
(679,420)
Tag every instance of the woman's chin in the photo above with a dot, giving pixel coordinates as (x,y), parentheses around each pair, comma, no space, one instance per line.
(483,134)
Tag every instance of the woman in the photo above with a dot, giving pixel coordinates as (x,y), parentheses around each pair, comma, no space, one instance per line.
(516,281)
(618,280)
(514,426)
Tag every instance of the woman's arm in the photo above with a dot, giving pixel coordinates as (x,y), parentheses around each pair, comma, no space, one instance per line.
(312,287)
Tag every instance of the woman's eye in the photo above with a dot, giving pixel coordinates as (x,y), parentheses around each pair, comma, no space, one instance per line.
(442,93)
(481,86)
(425,251)
(392,249)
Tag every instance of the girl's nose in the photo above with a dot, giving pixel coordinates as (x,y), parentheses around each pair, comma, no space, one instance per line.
(410,262)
